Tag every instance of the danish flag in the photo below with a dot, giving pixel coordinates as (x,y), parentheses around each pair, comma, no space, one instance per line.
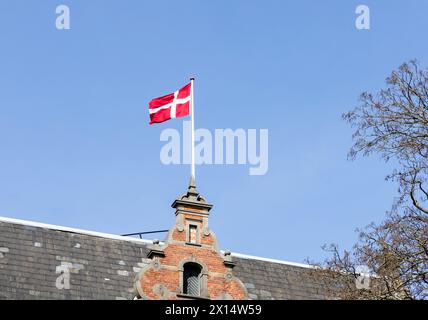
(173,105)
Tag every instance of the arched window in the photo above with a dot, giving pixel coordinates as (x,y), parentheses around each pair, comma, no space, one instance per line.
(192,279)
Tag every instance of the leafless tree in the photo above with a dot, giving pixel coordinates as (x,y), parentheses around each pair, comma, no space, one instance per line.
(393,124)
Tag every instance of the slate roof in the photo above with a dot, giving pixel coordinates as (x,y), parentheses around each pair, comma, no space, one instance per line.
(104,266)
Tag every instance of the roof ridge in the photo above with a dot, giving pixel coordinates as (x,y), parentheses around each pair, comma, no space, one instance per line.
(131,239)
(72,230)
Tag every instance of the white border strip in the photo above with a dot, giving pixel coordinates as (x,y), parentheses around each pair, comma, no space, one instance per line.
(132,239)
(73,230)
(296,264)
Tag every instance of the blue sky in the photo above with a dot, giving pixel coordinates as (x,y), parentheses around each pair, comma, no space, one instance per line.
(77,150)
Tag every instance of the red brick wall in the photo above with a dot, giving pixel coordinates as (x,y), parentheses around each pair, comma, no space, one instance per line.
(161,279)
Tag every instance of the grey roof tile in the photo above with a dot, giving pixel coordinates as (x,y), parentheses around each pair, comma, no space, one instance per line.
(29,271)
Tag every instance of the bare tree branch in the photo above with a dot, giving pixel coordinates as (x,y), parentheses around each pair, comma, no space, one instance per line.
(393,124)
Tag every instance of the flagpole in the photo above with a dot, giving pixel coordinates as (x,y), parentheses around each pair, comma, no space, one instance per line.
(192,169)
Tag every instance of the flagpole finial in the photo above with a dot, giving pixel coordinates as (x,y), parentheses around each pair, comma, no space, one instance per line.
(192,78)
(192,183)
(192,187)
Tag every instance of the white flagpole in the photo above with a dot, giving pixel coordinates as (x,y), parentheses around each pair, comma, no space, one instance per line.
(192,110)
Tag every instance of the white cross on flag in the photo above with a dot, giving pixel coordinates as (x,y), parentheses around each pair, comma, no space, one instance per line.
(173,105)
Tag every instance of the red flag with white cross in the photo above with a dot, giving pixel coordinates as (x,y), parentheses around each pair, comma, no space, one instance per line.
(173,105)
